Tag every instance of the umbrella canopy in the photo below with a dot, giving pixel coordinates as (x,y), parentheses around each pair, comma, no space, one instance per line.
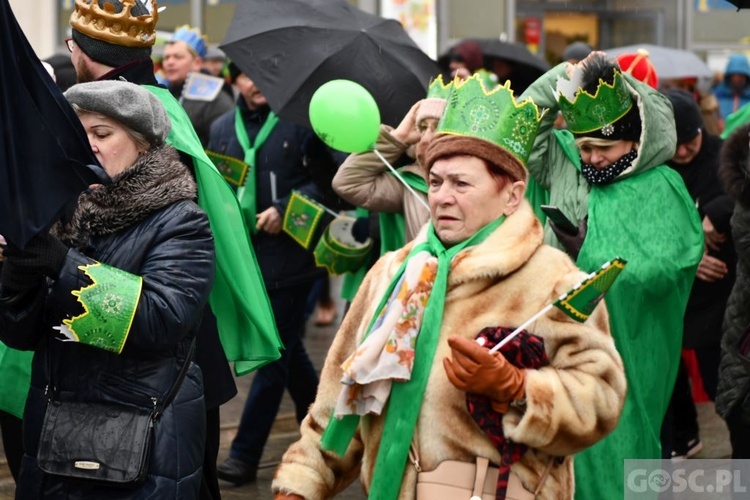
(740,4)
(289,48)
(525,66)
(44,151)
(669,63)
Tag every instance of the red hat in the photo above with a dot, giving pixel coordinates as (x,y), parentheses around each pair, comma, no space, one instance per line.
(639,66)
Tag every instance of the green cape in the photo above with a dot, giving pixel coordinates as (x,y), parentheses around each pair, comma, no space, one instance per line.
(238,298)
(646,306)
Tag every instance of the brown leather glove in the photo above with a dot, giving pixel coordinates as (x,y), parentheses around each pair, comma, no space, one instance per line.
(287,496)
(473,369)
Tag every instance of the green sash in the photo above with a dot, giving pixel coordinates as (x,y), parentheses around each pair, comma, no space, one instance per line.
(406,397)
(247,193)
(393,225)
(238,298)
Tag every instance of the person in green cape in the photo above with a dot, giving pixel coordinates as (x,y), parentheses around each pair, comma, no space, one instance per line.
(238,326)
(405,359)
(606,172)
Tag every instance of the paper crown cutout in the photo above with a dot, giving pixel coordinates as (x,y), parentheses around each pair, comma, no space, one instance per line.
(438,89)
(586,113)
(491,115)
(117,28)
(192,37)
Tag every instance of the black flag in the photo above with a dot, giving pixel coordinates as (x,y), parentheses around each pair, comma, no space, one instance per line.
(45,157)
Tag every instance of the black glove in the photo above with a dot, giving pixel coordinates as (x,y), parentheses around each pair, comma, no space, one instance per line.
(44,255)
(571,242)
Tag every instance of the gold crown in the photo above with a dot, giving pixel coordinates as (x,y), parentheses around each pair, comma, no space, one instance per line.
(117,28)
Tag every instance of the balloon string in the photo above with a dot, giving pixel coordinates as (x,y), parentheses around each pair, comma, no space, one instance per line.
(398,176)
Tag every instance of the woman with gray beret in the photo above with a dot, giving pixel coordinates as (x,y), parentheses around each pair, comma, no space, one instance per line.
(109,302)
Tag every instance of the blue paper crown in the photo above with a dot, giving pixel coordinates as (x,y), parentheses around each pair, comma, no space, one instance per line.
(192,37)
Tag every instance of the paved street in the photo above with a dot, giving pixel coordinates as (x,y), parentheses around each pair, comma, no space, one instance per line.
(318,339)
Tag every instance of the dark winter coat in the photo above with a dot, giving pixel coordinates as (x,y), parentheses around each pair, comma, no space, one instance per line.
(293,153)
(734,380)
(705,310)
(146,224)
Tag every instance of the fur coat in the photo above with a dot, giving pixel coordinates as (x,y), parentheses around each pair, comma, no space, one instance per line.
(502,281)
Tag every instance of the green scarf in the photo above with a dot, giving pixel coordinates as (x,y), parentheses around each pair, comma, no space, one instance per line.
(392,225)
(238,298)
(246,193)
(406,397)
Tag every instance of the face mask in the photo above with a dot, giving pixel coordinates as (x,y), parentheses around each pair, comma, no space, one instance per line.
(607,175)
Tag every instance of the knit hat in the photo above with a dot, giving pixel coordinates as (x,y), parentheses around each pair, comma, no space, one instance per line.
(687,115)
(577,51)
(486,124)
(114,32)
(128,103)
(639,66)
(433,105)
(596,102)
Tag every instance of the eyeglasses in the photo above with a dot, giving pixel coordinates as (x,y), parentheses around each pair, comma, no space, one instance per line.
(70,44)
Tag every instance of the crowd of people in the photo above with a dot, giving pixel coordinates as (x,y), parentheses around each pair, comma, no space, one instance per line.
(140,299)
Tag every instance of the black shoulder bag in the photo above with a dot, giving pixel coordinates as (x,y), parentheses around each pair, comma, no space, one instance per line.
(105,443)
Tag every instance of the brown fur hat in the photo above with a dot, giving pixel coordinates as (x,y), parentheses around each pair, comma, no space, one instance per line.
(450,145)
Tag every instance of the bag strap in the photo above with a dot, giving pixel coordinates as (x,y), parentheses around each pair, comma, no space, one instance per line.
(159,409)
(483,465)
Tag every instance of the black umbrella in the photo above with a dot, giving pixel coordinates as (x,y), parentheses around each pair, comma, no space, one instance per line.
(289,48)
(740,4)
(523,66)
(44,152)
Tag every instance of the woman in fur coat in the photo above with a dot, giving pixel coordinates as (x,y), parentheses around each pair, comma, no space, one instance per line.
(405,372)
(109,301)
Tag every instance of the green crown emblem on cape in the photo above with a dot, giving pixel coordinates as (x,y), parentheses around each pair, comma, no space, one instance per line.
(491,115)
(584,112)
(438,89)
(109,303)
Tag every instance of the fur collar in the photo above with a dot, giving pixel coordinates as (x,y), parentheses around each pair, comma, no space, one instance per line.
(504,251)
(157,179)
(733,171)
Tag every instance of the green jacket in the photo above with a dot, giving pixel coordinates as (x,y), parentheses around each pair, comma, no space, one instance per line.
(647,217)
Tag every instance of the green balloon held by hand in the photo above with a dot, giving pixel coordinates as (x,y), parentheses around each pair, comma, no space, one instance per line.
(345,116)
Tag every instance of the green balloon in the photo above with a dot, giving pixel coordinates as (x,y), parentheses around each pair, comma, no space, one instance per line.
(345,116)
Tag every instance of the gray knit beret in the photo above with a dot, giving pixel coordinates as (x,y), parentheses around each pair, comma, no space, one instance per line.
(128,103)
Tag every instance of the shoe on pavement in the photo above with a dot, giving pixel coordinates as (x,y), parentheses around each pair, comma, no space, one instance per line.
(687,450)
(236,471)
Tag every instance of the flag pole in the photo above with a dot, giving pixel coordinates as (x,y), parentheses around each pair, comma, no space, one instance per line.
(398,176)
(522,327)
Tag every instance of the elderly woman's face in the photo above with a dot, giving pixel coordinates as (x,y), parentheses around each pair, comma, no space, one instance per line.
(464,197)
(113,146)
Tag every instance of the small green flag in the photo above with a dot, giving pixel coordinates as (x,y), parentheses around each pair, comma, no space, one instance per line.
(301,219)
(580,302)
(232,169)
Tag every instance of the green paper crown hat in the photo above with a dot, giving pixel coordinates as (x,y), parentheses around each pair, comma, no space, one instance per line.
(493,116)
(585,113)
(438,89)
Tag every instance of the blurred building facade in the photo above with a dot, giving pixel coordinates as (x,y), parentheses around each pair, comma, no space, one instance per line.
(546,26)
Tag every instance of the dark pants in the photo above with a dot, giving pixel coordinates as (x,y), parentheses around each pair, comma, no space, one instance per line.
(210,482)
(12,433)
(293,371)
(739,433)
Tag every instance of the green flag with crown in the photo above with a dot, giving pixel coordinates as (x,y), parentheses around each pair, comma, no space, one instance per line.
(581,300)
(302,218)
